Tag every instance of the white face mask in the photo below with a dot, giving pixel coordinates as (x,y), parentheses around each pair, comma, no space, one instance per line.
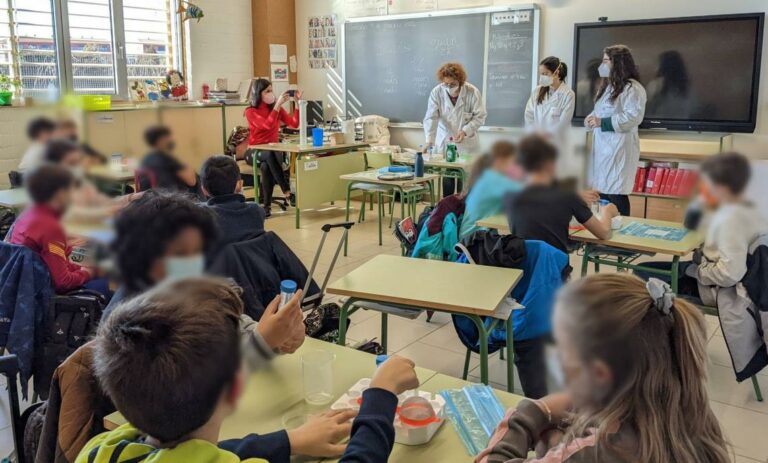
(545,81)
(453,91)
(184,267)
(269,98)
(604,70)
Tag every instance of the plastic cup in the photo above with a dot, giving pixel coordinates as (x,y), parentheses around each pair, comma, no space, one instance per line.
(317,368)
(317,136)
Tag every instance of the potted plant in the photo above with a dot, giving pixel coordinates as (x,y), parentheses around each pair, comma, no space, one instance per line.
(7,86)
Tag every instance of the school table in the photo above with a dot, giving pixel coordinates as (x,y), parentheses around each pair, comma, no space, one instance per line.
(474,291)
(495,222)
(456,170)
(406,188)
(14,199)
(108,176)
(317,177)
(637,246)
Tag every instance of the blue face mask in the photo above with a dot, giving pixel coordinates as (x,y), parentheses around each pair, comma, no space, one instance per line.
(184,267)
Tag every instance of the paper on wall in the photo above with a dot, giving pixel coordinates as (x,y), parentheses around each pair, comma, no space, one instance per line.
(448,4)
(357,8)
(292,63)
(278,53)
(411,6)
(279,72)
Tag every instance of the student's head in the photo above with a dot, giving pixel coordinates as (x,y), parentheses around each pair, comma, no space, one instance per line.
(40,129)
(637,360)
(66,129)
(50,185)
(536,155)
(64,153)
(160,138)
(620,67)
(452,76)
(220,175)
(724,178)
(503,158)
(552,71)
(261,92)
(170,358)
(161,235)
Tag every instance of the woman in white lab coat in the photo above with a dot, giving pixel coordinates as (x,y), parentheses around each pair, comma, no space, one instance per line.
(455,110)
(550,109)
(619,110)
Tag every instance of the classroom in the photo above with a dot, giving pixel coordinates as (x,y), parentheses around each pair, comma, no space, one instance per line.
(490,231)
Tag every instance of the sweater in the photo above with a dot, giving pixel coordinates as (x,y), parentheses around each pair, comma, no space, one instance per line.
(264,123)
(238,220)
(39,228)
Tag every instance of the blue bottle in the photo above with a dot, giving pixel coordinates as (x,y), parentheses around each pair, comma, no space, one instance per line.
(419,165)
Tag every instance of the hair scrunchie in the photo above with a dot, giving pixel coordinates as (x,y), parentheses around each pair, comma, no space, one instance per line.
(662,295)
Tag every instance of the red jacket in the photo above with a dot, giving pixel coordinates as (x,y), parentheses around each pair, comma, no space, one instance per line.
(265,123)
(39,228)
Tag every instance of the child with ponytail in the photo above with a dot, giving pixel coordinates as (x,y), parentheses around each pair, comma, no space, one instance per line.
(634,361)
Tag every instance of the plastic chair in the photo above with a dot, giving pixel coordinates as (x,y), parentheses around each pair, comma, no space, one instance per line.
(279,201)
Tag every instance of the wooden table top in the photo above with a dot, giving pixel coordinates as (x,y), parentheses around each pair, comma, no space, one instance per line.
(429,284)
(307,149)
(691,241)
(371,176)
(106,172)
(15,198)
(495,222)
(458,164)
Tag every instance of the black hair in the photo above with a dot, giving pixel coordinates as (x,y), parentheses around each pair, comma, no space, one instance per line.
(57,150)
(46,180)
(39,126)
(555,66)
(219,175)
(154,133)
(731,170)
(258,86)
(533,152)
(145,227)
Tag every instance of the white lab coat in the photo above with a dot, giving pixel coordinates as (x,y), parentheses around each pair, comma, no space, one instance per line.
(444,119)
(615,155)
(553,115)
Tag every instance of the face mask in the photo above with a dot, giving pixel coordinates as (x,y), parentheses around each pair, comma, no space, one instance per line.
(184,267)
(78,172)
(269,98)
(604,70)
(545,81)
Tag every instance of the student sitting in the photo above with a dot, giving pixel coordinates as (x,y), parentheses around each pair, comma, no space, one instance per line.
(238,220)
(542,210)
(733,224)
(39,227)
(493,176)
(167,172)
(170,361)
(39,132)
(66,129)
(634,361)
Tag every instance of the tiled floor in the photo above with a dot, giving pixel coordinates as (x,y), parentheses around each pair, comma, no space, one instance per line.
(435,345)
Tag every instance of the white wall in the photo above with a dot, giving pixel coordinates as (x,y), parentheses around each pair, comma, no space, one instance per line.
(558,18)
(221,45)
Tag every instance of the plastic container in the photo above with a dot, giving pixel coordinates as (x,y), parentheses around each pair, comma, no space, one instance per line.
(419,165)
(317,136)
(451,152)
(317,370)
(287,290)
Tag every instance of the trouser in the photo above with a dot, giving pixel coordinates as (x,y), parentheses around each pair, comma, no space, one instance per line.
(101,286)
(451,186)
(531,363)
(621,202)
(271,166)
(686,285)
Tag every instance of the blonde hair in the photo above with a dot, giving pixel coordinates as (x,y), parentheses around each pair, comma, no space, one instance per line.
(454,71)
(659,365)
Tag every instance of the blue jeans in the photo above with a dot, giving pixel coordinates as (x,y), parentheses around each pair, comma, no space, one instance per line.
(101,286)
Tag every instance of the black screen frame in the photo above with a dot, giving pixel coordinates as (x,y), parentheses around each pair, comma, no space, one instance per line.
(676,124)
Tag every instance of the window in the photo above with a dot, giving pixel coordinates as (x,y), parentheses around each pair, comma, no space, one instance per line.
(102,44)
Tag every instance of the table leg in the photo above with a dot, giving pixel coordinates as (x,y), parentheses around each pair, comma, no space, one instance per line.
(379,199)
(384,322)
(431,186)
(402,203)
(298,218)
(346,216)
(585,261)
(674,273)
(343,318)
(483,332)
(510,356)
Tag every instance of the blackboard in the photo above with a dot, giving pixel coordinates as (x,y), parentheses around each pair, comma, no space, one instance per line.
(390,63)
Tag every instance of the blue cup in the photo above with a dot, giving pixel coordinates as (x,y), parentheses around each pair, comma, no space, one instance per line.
(317,136)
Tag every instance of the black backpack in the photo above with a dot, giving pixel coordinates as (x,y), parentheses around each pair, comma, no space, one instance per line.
(70,322)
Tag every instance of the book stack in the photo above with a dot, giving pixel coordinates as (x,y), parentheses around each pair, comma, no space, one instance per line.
(224,97)
(665,179)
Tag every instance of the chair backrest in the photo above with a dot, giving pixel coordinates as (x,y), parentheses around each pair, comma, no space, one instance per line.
(9,367)
(374,160)
(144,179)
(15,179)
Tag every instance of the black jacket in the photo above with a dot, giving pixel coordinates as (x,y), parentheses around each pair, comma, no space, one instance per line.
(487,247)
(259,265)
(238,220)
(756,279)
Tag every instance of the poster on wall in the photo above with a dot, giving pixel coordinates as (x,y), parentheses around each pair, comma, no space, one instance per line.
(411,6)
(449,4)
(358,8)
(279,72)
(323,39)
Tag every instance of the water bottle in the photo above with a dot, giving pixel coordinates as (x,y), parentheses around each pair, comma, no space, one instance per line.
(419,165)
(287,290)
(450,151)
